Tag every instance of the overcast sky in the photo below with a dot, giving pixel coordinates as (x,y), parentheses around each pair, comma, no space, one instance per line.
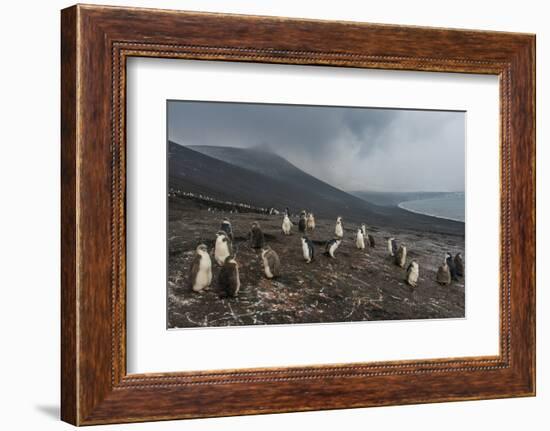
(351,148)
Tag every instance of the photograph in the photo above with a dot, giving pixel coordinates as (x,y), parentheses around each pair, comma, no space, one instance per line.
(290,214)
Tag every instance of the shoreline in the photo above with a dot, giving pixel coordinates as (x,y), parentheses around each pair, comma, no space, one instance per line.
(401,206)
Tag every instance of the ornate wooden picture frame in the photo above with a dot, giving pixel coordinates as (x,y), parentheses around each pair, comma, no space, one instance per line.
(96,41)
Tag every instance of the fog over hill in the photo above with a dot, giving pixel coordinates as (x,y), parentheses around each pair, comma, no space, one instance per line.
(352,148)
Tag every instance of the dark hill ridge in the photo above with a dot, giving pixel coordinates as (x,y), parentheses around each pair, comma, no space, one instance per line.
(278,168)
(254,159)
(264,179)
(282,185)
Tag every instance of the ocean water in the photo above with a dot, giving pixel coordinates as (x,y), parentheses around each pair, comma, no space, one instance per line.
(451,206)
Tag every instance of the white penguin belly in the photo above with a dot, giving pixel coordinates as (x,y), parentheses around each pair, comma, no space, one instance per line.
(360,242)
(267,270)
(204,275)
(305,250)
(332,249)
(286,227)
(238,280)
(339,231)
(221,252)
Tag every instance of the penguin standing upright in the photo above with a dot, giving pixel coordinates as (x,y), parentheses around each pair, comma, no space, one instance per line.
(287,225)
(452,267)
(302,223)
(307,249)
(339,228)
(371,242)
(360,239)
(271,262)
(222,247)
(310,222)
(256,236)
(443,274)
(412,274)
(364,230)
(228,278)
(226,227)
(459,265)
(332,246)
(200,276)
(401,256)
(392,246)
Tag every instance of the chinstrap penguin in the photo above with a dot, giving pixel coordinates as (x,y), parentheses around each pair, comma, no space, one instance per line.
(256,236)
(452,267)
(392,246)
(226,227)
(339,228)
(360,239)
(222,247)
(200,276)
(287,225)
(332,246)
(412,274)
(401,256)
(459,265)
(307,249)
(271,262)
(228,278)
(443,274)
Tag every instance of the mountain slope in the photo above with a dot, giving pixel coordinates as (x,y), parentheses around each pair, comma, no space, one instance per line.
(304,185)
(282,186)
(266,180)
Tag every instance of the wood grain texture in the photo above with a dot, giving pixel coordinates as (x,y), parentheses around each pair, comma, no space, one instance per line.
(96,42)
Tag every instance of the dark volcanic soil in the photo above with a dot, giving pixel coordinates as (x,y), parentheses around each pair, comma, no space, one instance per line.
(356,286)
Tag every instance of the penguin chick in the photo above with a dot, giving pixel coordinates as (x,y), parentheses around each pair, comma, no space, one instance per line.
(271,262)
(443,275)
(412,274)
(401,256)
(228,278)
(371,242)
(451,265)
(287,225)
(200,276)
(392,246)
(360,239)
(339,228)
(310,222)
(459,265)
(256,236)
(302,223)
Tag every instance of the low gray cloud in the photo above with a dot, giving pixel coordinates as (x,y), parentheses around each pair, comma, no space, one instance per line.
(350,148)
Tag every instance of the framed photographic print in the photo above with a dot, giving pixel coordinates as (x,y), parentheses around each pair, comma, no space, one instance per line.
(267,215)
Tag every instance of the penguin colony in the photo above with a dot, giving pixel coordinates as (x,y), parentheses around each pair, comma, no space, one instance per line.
(200,274)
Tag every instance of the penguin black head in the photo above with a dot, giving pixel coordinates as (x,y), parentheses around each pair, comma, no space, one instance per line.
(202,247)
(221,233)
